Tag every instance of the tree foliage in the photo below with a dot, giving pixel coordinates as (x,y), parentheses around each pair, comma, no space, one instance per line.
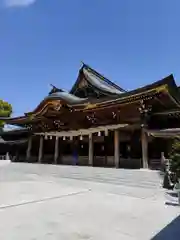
(5,111)
(175,158)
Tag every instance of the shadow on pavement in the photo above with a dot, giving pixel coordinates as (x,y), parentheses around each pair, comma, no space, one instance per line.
(171,231)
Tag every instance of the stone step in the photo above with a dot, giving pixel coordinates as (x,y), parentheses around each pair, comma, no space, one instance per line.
(137,178)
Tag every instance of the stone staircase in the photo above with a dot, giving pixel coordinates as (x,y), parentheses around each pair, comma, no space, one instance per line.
(125,177)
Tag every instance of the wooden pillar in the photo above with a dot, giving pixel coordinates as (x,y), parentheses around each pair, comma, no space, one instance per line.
(116,148)
(91,150)
(28,152)
(75,150)
(144,142)
(106,150)
(56,150)
(40,149)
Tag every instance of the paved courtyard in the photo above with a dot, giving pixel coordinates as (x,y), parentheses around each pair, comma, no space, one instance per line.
(47,202)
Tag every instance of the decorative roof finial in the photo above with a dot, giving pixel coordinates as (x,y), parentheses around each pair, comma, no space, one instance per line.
(54,89)
(82,64)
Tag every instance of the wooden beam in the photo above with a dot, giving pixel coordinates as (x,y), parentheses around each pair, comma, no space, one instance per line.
(167,112)
(144,143)
(83,131)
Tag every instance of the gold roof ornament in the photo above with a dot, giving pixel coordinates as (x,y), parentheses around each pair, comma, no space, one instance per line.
(163,88)
(31,117)
(90,106)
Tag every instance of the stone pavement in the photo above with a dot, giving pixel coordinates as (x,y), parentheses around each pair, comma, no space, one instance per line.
(48,202)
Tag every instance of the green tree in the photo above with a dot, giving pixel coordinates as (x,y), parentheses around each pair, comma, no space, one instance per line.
(5,111)
(175,158)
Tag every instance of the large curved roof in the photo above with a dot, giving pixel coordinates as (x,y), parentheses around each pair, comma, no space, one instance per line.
(97,81)
(59,100)
(94,79)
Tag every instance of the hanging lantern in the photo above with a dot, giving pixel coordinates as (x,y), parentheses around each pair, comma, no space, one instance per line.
(50,137)
(64,138)
(106,132)
(81,138)
(45,137)
(99,134)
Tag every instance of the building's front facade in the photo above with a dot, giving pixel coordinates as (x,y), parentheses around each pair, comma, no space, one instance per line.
(98,123)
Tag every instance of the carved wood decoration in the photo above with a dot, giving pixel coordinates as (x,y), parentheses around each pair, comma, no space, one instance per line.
(58,124)
(44,107)
(92,118)
(145,111)
(69,118)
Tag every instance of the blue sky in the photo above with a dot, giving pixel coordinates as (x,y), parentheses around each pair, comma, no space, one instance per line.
(133,43)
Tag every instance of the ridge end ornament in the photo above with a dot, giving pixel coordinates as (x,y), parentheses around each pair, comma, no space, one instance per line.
(81,64)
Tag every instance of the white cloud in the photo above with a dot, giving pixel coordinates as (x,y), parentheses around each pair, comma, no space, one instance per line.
(18,3)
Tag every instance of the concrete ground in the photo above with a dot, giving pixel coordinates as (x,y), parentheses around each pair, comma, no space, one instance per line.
(48,202)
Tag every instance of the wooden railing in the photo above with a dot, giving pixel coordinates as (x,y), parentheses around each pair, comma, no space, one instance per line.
(2,157)
(5,157)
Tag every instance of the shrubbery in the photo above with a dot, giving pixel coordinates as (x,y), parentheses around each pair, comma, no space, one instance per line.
(5,111)
(175,158)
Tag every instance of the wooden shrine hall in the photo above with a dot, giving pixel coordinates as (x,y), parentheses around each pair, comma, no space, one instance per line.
(98,123)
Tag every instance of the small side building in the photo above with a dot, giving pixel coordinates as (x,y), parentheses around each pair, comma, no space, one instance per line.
(14,142)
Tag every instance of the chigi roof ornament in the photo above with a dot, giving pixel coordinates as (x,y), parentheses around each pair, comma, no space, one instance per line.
(54,89)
